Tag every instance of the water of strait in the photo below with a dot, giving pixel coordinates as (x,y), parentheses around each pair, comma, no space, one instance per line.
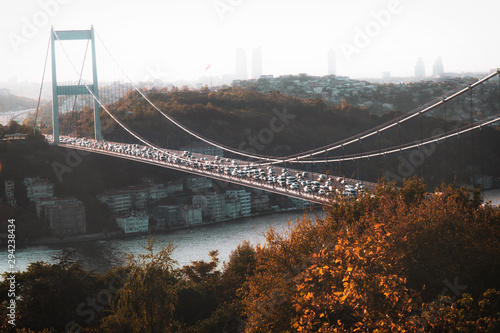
(191,244)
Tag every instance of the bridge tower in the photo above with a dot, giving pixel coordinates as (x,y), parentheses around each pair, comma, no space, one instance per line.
(78,89)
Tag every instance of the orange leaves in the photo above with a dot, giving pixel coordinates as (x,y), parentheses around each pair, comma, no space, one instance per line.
(348,272)
(341,286)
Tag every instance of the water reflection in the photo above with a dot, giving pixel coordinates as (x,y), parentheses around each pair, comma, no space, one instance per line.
(191,244)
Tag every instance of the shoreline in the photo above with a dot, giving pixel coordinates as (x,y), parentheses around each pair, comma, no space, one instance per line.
(120,234)
(492,195)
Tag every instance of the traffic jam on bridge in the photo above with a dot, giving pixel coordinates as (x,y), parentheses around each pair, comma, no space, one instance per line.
(309,186)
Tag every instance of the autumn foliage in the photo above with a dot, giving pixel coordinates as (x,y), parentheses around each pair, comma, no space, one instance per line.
(396,260)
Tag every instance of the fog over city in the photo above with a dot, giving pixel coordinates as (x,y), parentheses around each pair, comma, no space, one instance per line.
(185,40)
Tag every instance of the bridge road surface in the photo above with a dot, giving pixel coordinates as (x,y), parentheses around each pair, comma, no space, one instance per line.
(177,161)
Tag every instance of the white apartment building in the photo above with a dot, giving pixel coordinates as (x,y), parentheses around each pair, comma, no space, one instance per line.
(211,205)
(133,223)
(10,193)
(173,187)
(260,202)
(38,189)
(191,215)
(118,201)
(66,218)
(157,192)
(204,149)
(197,184)
(231,208)
(43,203)
(244,198)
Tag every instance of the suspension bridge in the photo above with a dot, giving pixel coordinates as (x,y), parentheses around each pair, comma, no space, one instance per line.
(269,173)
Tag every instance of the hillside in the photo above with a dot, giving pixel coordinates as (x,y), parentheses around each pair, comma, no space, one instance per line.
(277,124)
(15,103)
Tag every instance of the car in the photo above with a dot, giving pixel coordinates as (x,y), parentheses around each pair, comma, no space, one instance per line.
(351,193)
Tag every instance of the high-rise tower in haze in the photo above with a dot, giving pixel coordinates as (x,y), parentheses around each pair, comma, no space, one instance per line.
(241,64)
(256,63)
(437,69)
(420,68)
(332,62)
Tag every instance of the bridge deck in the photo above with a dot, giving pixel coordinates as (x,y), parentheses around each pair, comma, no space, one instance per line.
(298,193)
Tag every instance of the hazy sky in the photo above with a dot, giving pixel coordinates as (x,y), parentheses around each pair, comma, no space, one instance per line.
(175,40)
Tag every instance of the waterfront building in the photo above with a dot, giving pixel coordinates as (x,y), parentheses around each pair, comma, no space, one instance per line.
(66,218)
(190,215)
(198,184)
(37,189)
(135,222)
(260,203)
(166,216)
(118,201)
(10,196)
(244,198)
(211,205)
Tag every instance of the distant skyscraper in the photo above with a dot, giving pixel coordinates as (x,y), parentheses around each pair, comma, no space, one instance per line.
(256,63)
(420,68)
(241,64)
(437,69)
(332,62)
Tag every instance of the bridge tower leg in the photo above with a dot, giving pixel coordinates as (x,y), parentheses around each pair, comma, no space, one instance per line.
(72,90)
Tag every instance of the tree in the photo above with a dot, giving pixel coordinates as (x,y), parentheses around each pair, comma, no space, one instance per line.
(370,263)
(350,286)
(464,315)
(146,303)
(337,282)
(49,294)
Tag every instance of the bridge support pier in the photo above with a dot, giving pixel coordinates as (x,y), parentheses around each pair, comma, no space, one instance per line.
(72,90)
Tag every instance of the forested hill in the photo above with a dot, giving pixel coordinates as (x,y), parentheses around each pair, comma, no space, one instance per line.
(280,124)
(15,103)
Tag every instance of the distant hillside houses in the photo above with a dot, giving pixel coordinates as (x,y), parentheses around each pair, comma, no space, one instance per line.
(378,98)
